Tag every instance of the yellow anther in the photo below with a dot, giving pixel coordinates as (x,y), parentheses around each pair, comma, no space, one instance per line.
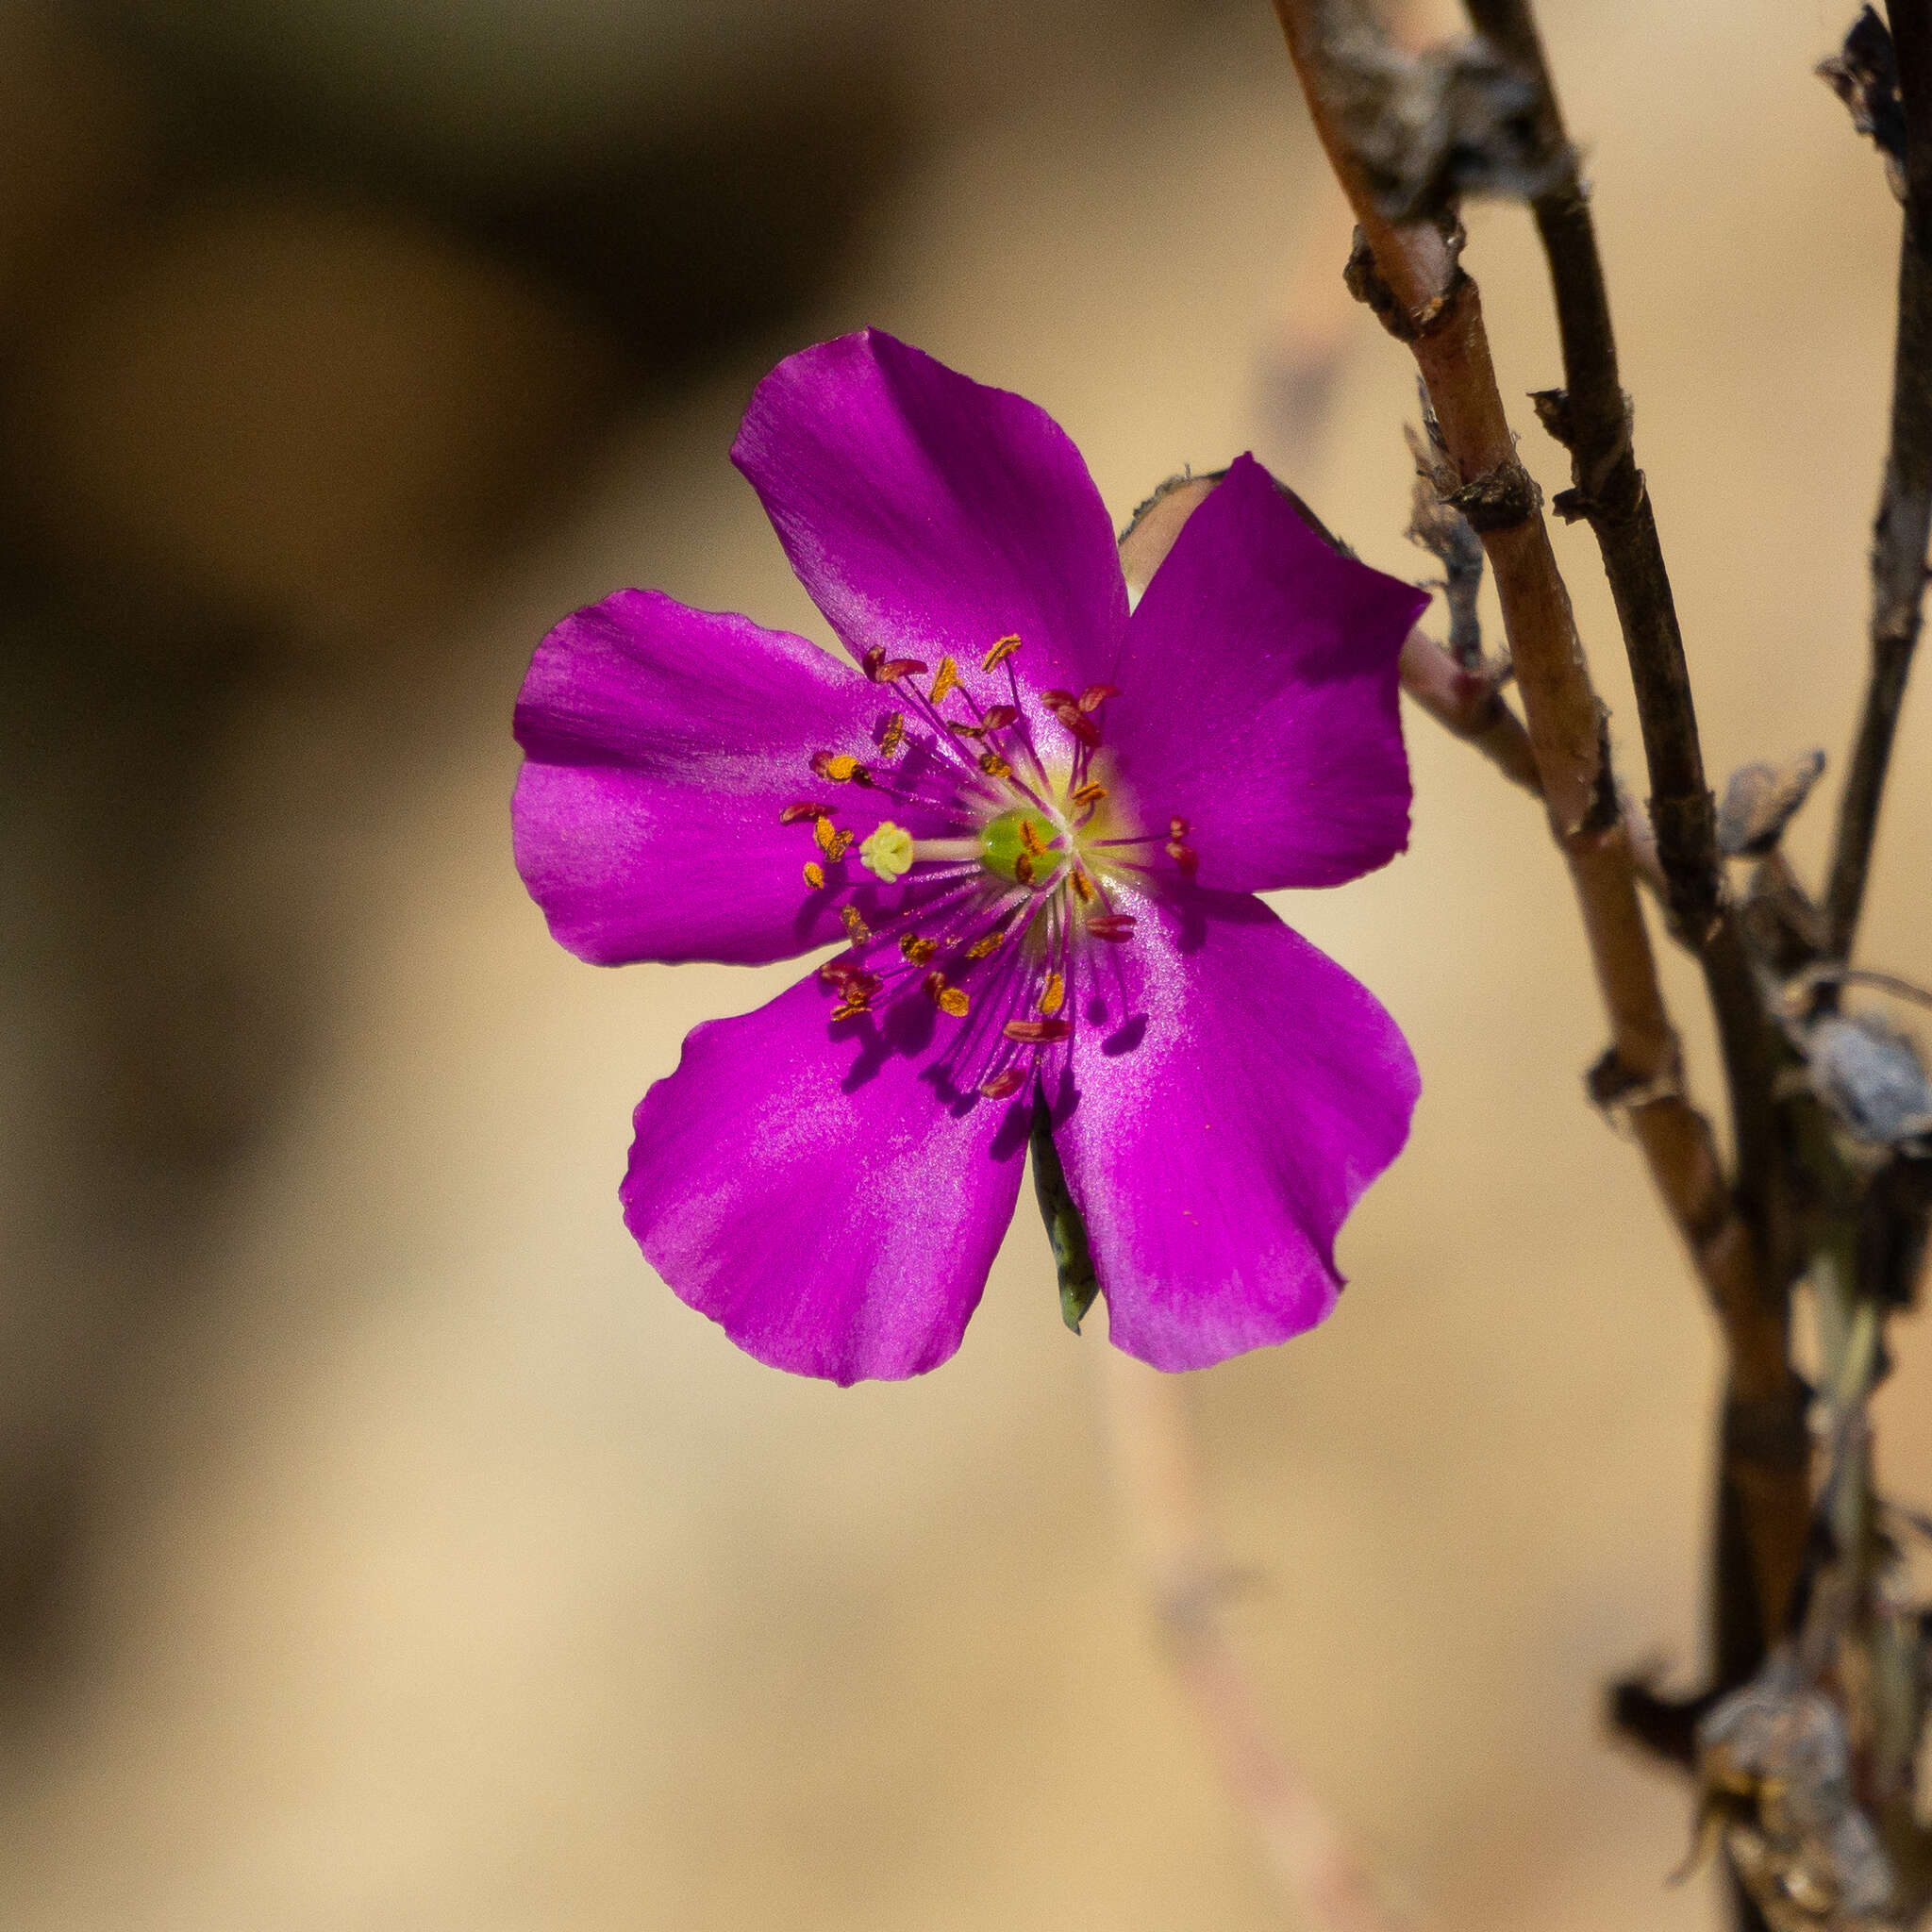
(948,999)
(1090,795)
(918,950)
(855,927)
(1083,886)
(1000,653)
(840,767)
(991,943)
(831,841)
(888,852)
(1055,996)
(944,679)
(851,1008)
(814,874)
(994,766)
(891,733)
(1029,837)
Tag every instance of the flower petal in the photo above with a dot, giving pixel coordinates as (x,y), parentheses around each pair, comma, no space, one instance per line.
(662,743)
(1258,696)
(1231,1103)
(930,516)
(813,1191)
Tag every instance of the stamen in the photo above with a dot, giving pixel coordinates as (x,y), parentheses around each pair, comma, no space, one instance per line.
(855,927)
(832,842)
(991,943)
(814,874)
(887,853)
(884,669)
(919,950)
(1097,694)
(841,768)
(1003,1085)
(1023,868)
(948,999)
(1117,926)
(1037,1032)
(1090,795)
(1184,856)
(1055,996)
(994,766)
(891,733)
(851,1008)
(944,679)
(805,809)
(1083,887)
(1000,653)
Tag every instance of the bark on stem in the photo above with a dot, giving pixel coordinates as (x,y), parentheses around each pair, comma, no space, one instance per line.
(1904,502)
(1590,417)
(1412,275)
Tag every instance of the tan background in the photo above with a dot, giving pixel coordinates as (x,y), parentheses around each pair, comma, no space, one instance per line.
(409,1558)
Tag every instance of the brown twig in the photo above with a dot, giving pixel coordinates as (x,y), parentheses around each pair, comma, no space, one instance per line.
(1323,1881)
(1904,501)
(1411,274)
(1591,416)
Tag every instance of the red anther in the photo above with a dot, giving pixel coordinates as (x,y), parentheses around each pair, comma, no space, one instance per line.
(1053,698)
(1023,868)
(805,809)
(872,660)
(999,716)
(1117,926)
(1002,1085)
(965,730)
(1037,1032)
(1077,722)
(893,669)
(1097,694)
(1184,856)
(1178,828)
(853,982)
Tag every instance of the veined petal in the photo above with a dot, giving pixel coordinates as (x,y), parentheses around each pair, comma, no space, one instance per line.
(1258,696)
(663,744)
(930,516)
(811,1190)
(1231,1104)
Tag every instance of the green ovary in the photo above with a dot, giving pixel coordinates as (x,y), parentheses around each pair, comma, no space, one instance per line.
(1004,842)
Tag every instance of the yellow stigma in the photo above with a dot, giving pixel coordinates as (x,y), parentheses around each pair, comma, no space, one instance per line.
(888,852)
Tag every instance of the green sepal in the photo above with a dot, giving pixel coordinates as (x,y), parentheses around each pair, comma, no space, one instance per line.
(1072,1258)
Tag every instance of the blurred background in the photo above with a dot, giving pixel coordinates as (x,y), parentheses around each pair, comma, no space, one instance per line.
(381,1545)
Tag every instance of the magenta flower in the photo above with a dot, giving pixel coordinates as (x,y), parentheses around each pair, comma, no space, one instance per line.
(1036,822)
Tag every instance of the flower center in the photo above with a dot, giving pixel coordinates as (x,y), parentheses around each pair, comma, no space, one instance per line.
(983,894)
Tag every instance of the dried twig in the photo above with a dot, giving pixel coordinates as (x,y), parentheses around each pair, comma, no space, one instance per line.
(1409,272)
(1904,502)
(1591,416)
(1322,1879)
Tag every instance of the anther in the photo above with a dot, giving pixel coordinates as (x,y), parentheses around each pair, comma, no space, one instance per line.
(891,733)
(833,843)
(805,809)
(1037,1032)
(850,1009)
(994,766)
(855,927)
(1097,694)
(1029,837)
(1184,856)
(851,982)
(814,874)
(919,950)
(884,669)
(1066,708)
(1117,926)
(1000,653)
(1090,795)
(1023,868)
(1002,1085)
(1083,887)
(944,679)
(948,999)
(991,943)
(840,768)
(1054,995)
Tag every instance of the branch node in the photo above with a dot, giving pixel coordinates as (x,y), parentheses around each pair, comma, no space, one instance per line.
(1363,280)
(1499,499)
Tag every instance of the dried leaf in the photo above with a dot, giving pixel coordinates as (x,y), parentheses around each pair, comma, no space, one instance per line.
(1432,127)
(1870,1076)
(1761,801)
(1863,74)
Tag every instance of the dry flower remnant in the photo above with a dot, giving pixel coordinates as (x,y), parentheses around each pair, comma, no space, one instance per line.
(1037,823)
